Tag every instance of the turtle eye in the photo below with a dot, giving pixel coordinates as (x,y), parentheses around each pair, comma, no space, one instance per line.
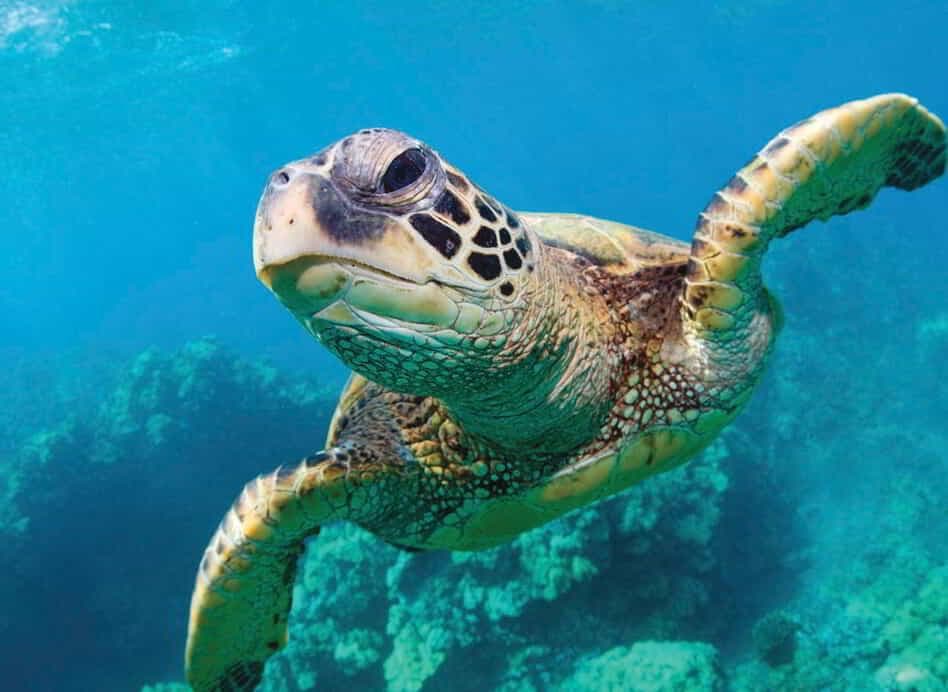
(404,169)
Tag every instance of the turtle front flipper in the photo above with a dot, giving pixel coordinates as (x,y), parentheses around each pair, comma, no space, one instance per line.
(244,585)
(832,163)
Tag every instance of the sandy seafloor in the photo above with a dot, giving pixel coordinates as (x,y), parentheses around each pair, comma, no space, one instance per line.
(147,375)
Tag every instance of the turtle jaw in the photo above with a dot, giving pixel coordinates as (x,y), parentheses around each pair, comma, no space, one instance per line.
(324,291)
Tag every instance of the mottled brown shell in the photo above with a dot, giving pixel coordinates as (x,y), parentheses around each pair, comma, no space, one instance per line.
(617,248)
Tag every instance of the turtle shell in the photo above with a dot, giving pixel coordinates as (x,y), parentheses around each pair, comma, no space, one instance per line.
(615,247)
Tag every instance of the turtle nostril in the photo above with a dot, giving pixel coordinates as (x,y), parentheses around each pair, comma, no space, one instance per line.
(281,177)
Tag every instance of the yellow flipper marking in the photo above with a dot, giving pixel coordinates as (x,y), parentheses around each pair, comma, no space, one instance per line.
(832,163)
(243,591)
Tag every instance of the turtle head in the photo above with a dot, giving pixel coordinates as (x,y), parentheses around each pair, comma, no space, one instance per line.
(395,261)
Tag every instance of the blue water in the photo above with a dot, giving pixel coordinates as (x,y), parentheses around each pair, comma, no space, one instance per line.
(135,139)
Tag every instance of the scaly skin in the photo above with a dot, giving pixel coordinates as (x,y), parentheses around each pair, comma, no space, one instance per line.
(509,385)
(831,163)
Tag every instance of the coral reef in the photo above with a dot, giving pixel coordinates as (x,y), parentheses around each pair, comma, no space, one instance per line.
(650,667)
(775,638)
(109,509)
(812,517)
(877,620)
(916,637)
(404,621)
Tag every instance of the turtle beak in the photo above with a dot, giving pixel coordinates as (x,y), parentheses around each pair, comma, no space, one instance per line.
(302,213)
(285,227)
(312,248)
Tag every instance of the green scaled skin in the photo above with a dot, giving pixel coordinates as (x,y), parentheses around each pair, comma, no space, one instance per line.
(510,367)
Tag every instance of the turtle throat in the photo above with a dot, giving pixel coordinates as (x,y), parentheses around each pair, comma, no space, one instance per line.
(548,387)
(531,373)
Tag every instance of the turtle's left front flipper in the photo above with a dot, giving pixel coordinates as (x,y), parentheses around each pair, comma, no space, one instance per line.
(244,585)
(831,163)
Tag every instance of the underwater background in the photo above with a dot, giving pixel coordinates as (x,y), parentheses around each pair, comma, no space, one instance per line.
(147,375)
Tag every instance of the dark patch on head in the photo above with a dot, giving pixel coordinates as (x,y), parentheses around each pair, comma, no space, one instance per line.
(512,218)
(484,210)
(504,236)
(442,238)
(273,646)
(737,185)
(342,222)
(486,266)
(319,159)
(485,237)
(776,146)
(523,244)
(512,259)
(449,205)
(459,182)
(506,288)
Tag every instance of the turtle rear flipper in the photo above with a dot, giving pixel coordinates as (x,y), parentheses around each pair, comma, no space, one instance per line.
(832,163)
(244,585)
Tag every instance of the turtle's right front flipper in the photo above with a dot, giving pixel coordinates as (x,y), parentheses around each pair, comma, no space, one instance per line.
(244,585)
(832,163)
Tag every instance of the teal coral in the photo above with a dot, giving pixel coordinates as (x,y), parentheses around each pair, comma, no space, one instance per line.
(166,687)
(917,636)
(650,667)
(158,404)
(422,618)
(117,478)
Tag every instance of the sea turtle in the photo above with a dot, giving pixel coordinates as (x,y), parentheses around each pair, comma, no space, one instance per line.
(510,366)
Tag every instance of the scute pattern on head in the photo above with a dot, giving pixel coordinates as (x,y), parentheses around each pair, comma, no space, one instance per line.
(501,247)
